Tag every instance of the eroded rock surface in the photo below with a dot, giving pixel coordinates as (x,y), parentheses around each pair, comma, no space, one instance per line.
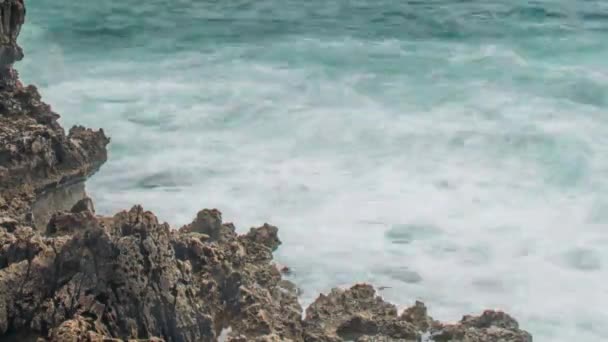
(129,276)
(36,155)
(358,314)
(12,13)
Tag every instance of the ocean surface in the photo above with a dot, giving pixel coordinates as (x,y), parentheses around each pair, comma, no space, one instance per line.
(453,151)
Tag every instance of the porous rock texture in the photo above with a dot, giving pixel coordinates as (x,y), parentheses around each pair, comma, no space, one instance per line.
(72,275)
(358,314)
(36,156)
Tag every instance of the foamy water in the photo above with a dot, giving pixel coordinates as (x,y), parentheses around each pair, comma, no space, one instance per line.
(456,153)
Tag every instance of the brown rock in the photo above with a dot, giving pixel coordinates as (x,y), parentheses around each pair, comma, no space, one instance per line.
(209,222)
(490,326)
(85,204)
(130,276)
(266,235)
(8,223)
(13,15)
(417,315)
(36,156)
(352,314)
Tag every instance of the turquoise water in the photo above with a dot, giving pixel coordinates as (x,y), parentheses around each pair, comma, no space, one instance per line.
(453,151)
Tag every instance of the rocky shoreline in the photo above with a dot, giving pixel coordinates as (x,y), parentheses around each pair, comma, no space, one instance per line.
(67,274)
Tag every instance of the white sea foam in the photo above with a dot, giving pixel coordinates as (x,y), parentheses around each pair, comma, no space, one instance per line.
(466,190)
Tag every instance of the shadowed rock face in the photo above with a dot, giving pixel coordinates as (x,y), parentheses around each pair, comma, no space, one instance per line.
(130,276)
(36,155)
(357,314)
(12,13)
(71,275)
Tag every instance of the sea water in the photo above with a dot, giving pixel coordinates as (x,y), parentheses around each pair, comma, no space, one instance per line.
(450,151)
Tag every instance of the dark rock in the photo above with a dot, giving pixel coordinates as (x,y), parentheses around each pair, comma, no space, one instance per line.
(355,313)
(13,16)
(283,269)
(358,314)
(490,326)
(267,235)
(209,222)
(85,204)
(36,156)
(8,223)
(417,315)
(130,276)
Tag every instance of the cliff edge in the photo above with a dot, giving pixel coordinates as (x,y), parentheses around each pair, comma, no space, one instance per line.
(37,158)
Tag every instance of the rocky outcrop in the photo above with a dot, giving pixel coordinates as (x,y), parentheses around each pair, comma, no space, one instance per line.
(67,274)
(358,314)
(36,156)
(12,13)
(129,276)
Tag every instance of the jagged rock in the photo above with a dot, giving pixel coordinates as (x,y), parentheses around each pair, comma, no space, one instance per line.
(63,223)
(13,16)
(417,315)
(8,223)
(267,235)
(209,222)
(491,326)
(129,276)
(355,313)
(82,329)
(85,204)
(36,156)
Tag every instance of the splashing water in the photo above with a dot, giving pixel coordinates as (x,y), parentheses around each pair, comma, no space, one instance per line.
(451,151)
